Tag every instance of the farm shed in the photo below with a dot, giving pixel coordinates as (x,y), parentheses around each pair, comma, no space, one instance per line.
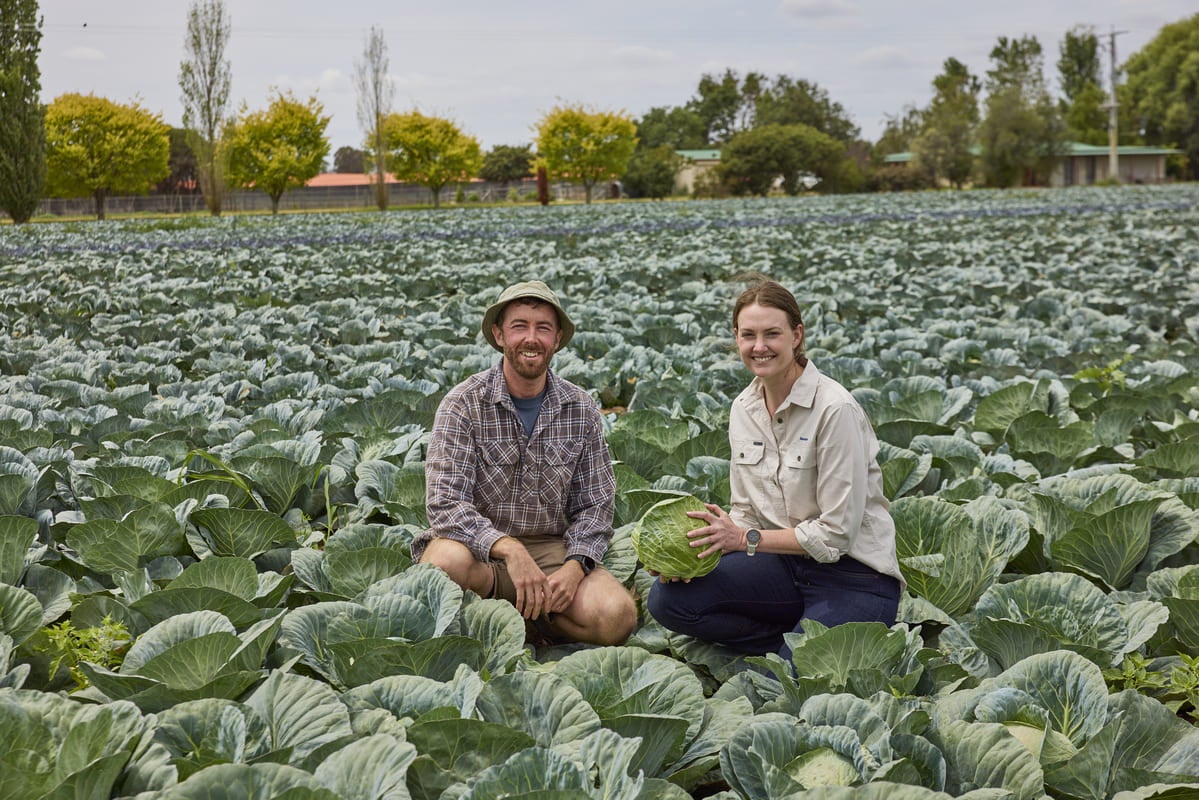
(697,163)
(1087,164)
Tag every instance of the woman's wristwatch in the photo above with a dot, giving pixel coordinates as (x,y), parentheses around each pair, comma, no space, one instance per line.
(752,537)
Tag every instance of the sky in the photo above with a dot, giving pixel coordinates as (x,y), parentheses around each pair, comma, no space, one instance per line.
(497,66)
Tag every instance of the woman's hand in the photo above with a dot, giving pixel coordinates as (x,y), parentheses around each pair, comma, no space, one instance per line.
(720,535)
(664,579)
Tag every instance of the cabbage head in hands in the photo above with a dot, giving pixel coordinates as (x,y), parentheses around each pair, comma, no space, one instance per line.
(661,542)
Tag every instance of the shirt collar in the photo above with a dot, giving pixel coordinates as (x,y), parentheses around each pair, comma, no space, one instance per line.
(803,391)
(497,388)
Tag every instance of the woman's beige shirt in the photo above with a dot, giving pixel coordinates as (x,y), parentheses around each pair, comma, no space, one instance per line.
(813,467)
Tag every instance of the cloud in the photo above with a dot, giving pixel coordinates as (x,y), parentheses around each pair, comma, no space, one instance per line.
(817,9)
(887,57)
(639,56)
(331,79)
(85,54)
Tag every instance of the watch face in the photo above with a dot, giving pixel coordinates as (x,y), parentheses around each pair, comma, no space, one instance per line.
(753,536)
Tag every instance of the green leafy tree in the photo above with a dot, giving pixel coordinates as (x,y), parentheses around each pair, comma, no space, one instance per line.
(677,127)
(1161,92)
(507,163)
(278,148)
(754,160)
(96,148)
(349,161)
(205,78)
(899,131)
(430,151)
(1016,63)
(22,115)
(723,104)
(376,91)
(181,178)
(651,172)
(586,146)
(942,149)
(1078,63)
(1080,74)
(789,102)
(1019,139)
(1086,116)
(1023,131)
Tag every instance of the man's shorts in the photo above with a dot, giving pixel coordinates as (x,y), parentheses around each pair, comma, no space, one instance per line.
(548,551)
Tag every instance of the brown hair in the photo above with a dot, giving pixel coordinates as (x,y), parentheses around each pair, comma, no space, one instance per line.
(771,294)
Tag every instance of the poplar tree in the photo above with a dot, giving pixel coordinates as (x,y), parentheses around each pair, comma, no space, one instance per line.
(205,78)
(375,94)
(22,115)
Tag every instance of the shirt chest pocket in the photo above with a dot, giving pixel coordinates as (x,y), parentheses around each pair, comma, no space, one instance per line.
(499,472)
(799,456)
(558,459)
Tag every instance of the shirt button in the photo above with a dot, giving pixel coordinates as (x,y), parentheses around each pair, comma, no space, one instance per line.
(779,420)
(741,455)
(799,458)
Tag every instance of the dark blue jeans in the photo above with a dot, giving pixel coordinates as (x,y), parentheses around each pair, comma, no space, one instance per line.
(748,603)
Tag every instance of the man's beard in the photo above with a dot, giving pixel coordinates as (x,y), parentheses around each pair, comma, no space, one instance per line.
(523,368)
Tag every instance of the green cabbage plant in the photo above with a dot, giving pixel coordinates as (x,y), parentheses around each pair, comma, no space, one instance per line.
(661,542)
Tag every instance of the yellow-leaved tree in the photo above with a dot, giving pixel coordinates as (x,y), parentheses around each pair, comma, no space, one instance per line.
(277,148)
(586,146)
(430,151)
(96,148)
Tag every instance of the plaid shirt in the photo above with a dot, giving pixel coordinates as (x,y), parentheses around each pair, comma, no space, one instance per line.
(485,479)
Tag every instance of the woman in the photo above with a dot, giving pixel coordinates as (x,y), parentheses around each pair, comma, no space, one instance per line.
(809,535)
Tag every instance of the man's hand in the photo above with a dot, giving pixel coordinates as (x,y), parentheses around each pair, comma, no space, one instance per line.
(563,584)
(532,585)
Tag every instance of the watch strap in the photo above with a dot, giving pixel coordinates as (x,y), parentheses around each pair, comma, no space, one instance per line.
(586,562)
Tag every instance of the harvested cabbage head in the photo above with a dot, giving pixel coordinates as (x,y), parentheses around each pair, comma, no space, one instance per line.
(661,542)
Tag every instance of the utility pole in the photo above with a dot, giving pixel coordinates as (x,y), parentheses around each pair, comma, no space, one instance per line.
(1113,124)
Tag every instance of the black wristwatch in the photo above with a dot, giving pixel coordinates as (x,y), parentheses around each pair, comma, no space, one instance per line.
(586,562)
(752,537)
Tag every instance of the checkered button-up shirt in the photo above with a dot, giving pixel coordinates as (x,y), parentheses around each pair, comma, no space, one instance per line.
(485,479)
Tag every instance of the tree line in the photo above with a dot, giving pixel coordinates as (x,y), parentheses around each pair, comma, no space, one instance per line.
(773,133)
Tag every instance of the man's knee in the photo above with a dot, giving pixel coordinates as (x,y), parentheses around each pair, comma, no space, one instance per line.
(455,559)
(616,618)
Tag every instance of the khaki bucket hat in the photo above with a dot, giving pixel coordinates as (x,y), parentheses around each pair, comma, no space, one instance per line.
(534,289)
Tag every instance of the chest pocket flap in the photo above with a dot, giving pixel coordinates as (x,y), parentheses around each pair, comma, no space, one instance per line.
(748,452)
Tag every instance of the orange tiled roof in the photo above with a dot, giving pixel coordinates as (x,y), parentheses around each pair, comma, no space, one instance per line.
(347,179)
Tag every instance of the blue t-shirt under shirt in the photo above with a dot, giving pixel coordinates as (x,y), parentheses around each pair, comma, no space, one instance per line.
(527,408)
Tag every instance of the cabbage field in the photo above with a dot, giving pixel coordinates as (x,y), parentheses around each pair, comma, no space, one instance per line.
(211,444)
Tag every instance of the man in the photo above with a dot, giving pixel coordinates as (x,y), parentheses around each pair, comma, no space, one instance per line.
(520,487)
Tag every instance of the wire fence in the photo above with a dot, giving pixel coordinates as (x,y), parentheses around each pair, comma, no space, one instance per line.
(313,198)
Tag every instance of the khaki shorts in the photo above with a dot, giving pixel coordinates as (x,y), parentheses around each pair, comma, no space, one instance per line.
(548,551)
